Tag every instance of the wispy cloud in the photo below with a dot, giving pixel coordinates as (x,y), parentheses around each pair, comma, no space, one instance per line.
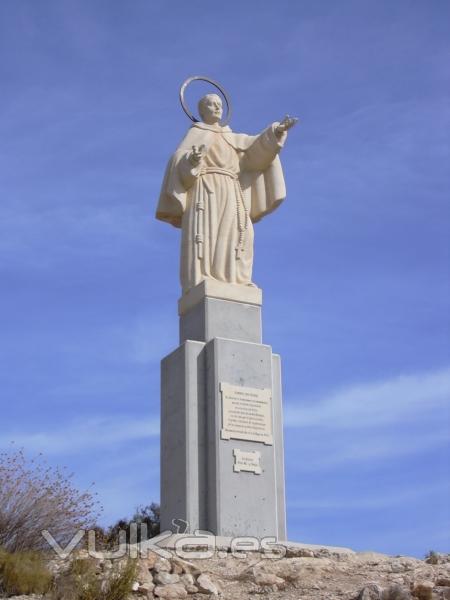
(372,404)
(373,500)
(84,436)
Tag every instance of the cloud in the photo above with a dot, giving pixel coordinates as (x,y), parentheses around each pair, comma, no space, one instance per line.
(387,402)
(374,500)
(84,436)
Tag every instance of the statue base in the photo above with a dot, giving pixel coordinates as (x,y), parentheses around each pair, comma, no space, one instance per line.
(211,288)
(222,466)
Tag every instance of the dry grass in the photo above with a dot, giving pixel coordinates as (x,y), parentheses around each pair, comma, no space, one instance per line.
(82,582)
(34,497)
(24,573)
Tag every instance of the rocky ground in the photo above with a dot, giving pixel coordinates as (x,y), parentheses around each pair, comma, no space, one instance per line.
(301,575)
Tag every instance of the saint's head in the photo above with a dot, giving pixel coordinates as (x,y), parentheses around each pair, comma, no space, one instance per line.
(210,109)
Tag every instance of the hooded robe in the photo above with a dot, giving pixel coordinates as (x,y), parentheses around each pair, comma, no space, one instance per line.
(239,181)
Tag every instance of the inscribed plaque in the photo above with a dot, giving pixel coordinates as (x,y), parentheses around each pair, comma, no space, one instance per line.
(246,413)
(247,461)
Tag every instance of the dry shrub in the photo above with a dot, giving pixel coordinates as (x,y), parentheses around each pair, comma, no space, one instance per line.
(81,582)
(34,497)
(24,573)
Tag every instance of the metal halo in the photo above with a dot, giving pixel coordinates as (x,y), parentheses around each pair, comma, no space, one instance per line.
(216,85)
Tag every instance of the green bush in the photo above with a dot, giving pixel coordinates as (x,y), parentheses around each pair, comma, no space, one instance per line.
(147,519)
(24,573)
(81,582)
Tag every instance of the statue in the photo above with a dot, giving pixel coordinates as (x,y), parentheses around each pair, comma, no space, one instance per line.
(217,184)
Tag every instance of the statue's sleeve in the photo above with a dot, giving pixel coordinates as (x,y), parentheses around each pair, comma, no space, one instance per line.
(179,177)
(263,150)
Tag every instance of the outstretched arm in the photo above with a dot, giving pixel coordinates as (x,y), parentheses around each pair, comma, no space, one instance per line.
(267,145)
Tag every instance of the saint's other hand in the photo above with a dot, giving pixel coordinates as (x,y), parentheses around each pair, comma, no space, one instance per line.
(196,155)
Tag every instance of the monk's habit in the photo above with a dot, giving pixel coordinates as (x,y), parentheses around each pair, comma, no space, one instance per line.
(238,182)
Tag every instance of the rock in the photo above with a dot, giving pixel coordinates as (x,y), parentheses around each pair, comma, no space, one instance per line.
(423,590)
(185,566)
(445,593)
(294,552)
(149,559)
(187,579)
(191,589)
(176,568)
(173,591)
(267,579)
(135,586)
(206,586)
(396,592)
(162,565)
(370,592)
(146,588)
(443,581)
(143,574)
(165,578)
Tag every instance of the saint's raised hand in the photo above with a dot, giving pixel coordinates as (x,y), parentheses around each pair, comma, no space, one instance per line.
(285,124)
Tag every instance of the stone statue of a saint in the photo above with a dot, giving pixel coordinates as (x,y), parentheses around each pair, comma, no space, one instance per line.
(217,184)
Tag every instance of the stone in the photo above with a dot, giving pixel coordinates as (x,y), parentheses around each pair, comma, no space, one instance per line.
(267,579)
(187,579)
(146,588)
(371,592)
(396,592)
(172,591)
(423,590)
(144,575)
(149,559)
(164,578)
(184,566)
(249,296)
(191,425)
(216,185)
(443,581)
(191,589)
(206,586)
(162,565)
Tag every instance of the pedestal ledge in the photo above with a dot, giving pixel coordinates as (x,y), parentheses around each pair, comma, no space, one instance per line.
(200,541)
(246,294)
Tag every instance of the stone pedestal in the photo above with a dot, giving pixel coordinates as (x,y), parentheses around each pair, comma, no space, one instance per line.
(221,419)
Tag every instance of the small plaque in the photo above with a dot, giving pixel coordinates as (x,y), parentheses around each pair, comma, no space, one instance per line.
(246,413)
(247,461)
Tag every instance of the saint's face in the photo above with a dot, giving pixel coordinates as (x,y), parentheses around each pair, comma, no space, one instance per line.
(212,109)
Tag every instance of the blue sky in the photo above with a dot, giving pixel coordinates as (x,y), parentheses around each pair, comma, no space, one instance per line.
(354,264)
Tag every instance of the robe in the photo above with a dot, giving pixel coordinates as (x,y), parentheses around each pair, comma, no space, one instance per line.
(239,181)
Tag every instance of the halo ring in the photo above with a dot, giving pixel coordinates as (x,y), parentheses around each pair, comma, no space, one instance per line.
(216,85)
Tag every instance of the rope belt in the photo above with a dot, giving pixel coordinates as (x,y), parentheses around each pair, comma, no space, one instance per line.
(241,210)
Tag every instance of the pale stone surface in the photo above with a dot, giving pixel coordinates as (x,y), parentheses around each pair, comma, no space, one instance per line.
(183,418)
(207,586)
(247,294)
(247,461)
(214,317)
(216,185)
(267,579)
(172,591)
(326,575)
(246,413)
(198,482)
(164,578)
(231,509)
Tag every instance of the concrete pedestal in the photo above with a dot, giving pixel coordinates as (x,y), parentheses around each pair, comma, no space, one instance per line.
(221,423)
